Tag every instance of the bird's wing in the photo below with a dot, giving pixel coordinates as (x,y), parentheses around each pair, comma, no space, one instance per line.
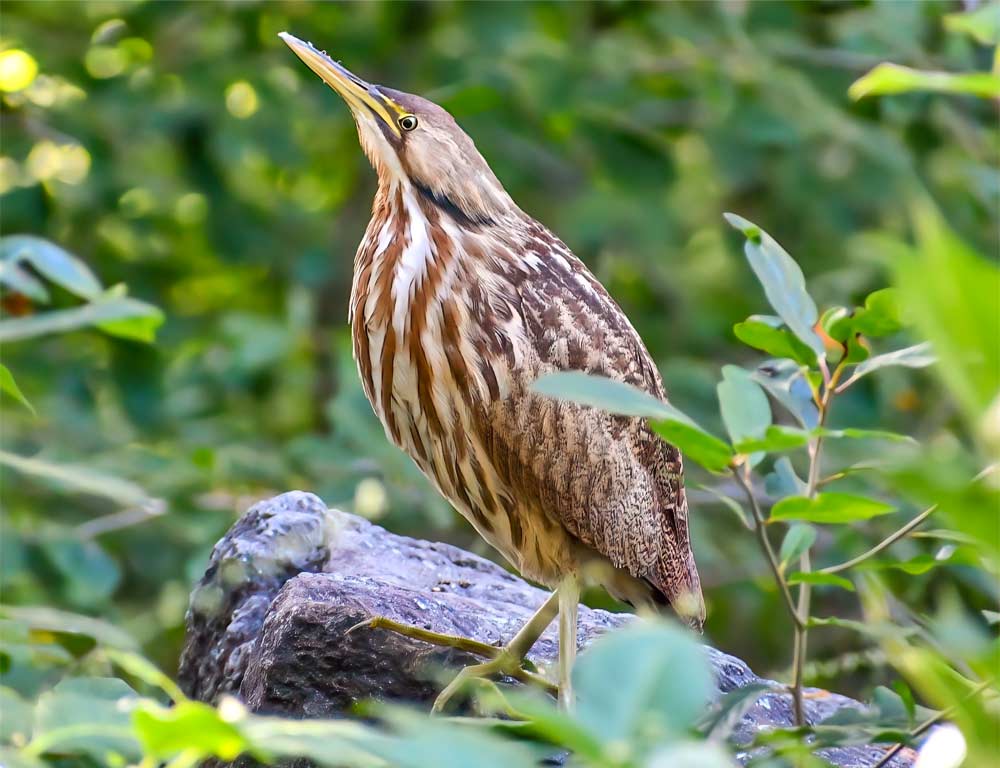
(609,480)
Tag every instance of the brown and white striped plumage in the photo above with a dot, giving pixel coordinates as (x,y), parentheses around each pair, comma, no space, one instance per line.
(460,301)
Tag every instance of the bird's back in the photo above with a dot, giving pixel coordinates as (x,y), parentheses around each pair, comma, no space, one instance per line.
(452,325)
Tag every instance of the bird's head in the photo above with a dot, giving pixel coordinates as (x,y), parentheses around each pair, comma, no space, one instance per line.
(412,141)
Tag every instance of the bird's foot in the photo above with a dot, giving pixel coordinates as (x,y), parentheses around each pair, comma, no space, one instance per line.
(505,663)
(507,660)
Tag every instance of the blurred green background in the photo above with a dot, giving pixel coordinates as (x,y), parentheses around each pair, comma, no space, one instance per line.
(180,148)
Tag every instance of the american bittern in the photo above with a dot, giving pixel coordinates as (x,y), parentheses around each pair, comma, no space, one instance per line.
(460,301)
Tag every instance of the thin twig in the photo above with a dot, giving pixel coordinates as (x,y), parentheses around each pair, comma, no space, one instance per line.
(886,542)
(932,721)
(765,545)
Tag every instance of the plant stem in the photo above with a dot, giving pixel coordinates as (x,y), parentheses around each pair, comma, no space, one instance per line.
(886,542)
(932,721)
(801,639)
(765,545)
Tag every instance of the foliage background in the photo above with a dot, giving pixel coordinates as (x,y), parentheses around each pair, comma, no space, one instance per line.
(180,148)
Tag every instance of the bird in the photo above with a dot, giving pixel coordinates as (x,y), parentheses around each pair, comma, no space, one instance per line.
(459,302)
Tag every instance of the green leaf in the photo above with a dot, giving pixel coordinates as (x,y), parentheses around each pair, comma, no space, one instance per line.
(783,282)
(785,380)
(78,478)
(864,434)
(821,579)
(761,332)
(917,356)
(8,385)
(189,726)
(87,715)
(950,292)
(720,721)
(15,717)
(880,315)
(334,743)
(745,410)
(888,79)
(690,754)
(52,262)
(776,438)
(20,280)
(915,566)
(829,508)
(89,574)
(110,314)
(45,619)
(797,541)
(730,503)
(982,24)
(783,481)
(695,443)
(616,397)
(662,683)
(606,394)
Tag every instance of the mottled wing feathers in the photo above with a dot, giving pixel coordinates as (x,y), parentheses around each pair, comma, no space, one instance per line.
(609,480)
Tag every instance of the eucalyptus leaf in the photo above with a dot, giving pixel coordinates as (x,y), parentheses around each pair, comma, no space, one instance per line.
(829,508)
(782,280)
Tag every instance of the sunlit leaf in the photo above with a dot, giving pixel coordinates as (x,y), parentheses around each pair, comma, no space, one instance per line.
(191,725)
(798,539)
(15,717)
(8,385)
(829,508)
(982,23)
(917,356)
(761,332)
(821,579)
(782,281)
(86,714)
(888,79)
(776,438)
(52,262)
(112,315)
(695,443)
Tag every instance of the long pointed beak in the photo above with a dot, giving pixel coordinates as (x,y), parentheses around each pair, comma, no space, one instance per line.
(358,94)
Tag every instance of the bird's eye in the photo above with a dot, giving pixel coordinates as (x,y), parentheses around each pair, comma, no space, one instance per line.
(408,122)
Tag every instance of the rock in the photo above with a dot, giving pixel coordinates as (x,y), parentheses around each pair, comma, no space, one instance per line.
(269,621)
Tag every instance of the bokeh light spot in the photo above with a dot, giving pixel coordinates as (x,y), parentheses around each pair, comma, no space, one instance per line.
(17,70)
(103,62)
(241,99)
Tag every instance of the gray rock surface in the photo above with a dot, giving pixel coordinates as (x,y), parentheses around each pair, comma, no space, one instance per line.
(269,621)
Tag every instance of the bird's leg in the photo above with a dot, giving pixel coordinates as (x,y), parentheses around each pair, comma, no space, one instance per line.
(434,638)
(569,600)
(509,658)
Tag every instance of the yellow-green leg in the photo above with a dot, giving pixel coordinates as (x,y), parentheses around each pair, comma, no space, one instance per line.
(507,660)
(569,601)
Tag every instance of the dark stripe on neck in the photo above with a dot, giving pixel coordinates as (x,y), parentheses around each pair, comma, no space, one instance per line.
(449,206)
